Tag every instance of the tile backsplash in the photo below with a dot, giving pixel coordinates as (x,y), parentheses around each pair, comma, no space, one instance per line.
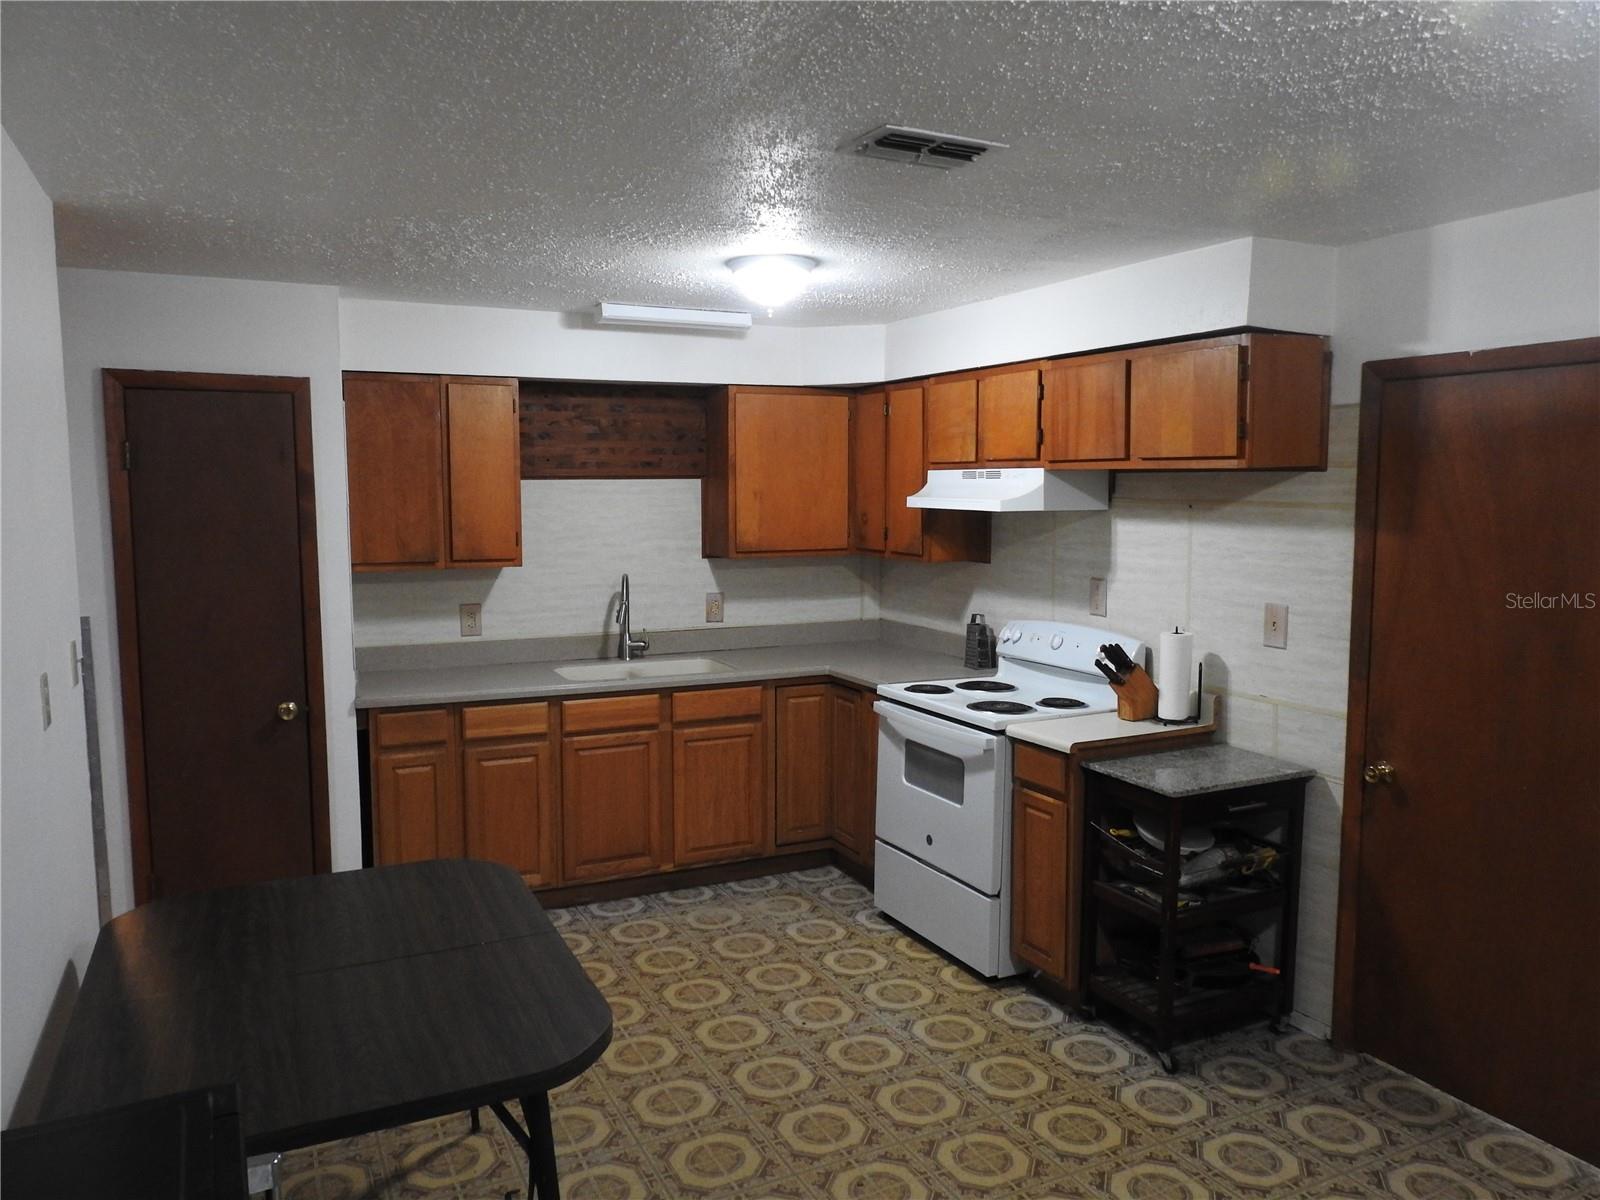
(1204,550)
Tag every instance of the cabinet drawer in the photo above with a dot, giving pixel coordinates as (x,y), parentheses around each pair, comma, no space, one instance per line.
(1042,768)
(716,704)
(505,720)
(420,727)
(611,712)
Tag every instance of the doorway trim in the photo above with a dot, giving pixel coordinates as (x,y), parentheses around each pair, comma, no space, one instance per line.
(1375,377)
(115,384)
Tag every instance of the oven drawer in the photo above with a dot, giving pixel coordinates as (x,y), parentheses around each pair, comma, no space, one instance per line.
(944,795)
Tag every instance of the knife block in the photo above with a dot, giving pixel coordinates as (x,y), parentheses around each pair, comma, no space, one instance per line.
(1136,696)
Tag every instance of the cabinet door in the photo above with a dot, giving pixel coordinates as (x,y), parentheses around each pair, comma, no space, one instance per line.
(868,463)
(952,422)
(394,447)
(854,734)
(610,805)
(485,472)
(415,814)
(1039,866)
(718,792)
(804,763)
(510,804)
(906,471)
(791,464)
(1186,403)
(1086,412)
(1008,417)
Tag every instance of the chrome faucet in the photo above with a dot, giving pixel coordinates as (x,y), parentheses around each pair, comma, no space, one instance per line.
(627,644)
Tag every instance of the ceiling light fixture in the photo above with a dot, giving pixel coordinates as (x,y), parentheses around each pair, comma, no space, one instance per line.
(771,280)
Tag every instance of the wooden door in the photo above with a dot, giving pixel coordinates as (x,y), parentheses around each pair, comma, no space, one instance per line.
(952,422)
(1040,874)
(791,472)
(869,419)
(394,449)
(509,802)
(719,792)
(1008,417)
(1186,403)
(804,791)
(906,471)
(485,472)
(214,535)
(1468,899)
(611,804)
(1085,412)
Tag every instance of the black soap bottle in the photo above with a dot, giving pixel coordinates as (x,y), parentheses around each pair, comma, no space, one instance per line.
(980,644)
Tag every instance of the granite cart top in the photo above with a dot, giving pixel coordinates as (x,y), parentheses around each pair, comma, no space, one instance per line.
(1198,770)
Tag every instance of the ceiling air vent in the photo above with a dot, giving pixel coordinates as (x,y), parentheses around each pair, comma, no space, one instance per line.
(898,143)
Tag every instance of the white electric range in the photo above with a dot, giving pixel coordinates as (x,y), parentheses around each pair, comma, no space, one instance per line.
(943,861)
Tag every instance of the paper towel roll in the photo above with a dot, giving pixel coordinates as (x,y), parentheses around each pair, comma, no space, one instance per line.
(1173,672)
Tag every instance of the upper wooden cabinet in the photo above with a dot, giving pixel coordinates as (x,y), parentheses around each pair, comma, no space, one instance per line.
(435,472)
(777,474)
(1253,401)
(887,465)
(951,409)
(1008,417)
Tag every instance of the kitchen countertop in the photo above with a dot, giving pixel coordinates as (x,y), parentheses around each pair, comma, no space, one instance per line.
(1066,734)
(865,663)
(1198,770)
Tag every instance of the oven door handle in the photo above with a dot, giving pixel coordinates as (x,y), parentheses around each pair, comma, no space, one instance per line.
(957,740)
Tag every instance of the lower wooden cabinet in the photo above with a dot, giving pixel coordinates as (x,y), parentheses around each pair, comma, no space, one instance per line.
(804,795)
(510,801)
(854,735)
(611,804)
(1041,868)
(416,811)
(719,792)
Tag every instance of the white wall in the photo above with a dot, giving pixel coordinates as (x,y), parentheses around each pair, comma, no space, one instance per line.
(178,323)
(49,915)
(382,335)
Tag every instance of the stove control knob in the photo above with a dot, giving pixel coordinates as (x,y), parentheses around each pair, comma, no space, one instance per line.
(1055,642)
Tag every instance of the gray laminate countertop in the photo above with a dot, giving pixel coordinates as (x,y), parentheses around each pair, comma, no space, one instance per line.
(866,663)
(1198,770)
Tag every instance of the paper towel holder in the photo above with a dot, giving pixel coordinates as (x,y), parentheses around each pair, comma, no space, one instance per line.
(1199,699)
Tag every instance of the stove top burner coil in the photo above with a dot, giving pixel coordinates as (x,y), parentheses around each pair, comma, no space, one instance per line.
(928,689)
(986,685)
(1004,707)
(1062,702)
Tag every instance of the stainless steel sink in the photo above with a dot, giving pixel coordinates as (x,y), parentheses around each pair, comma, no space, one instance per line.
(654,668)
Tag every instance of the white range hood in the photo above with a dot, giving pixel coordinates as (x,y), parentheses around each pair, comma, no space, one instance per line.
(1014,489)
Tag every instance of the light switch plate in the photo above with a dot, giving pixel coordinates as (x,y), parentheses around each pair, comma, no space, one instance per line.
(471,620)
(1097,597)
(1275,627)
(714,607)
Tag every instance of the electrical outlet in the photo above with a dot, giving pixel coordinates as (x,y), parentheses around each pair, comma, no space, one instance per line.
(1097,597)
(471,620)
(44,697)
(1275,627)
(714,606)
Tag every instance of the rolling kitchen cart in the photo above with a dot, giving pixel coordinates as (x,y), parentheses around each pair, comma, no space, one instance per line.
(1171,933)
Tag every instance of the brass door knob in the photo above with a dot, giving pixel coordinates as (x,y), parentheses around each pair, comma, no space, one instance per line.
(288,710)
(1379,772)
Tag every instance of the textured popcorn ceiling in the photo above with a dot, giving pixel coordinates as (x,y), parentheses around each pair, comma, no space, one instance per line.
(548,155)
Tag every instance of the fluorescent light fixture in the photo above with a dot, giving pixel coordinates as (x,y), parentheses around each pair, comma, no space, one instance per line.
(612,313)
(771,280)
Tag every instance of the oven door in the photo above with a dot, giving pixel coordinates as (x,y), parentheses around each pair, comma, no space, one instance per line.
(943,794)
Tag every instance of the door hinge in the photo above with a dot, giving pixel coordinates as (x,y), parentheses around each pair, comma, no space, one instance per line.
(127,456)
(886,533)
(1244,366)
(1244,427)
(886,408)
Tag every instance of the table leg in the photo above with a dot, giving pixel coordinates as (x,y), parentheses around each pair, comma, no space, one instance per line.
(541,1147)
(477,1122)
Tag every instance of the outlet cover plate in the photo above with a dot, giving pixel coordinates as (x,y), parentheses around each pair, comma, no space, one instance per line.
(472,620)
(1097,597)
(714,607)
(1275,627)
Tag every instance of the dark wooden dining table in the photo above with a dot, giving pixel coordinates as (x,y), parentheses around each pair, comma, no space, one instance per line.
(339,1004)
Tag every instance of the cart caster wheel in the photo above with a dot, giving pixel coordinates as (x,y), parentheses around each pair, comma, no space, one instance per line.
(1168,1061)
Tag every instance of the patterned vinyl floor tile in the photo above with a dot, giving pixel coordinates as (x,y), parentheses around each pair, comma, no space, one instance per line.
(778,1039)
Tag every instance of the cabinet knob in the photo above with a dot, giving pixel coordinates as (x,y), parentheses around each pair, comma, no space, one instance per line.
(1379,772)
(288,710)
